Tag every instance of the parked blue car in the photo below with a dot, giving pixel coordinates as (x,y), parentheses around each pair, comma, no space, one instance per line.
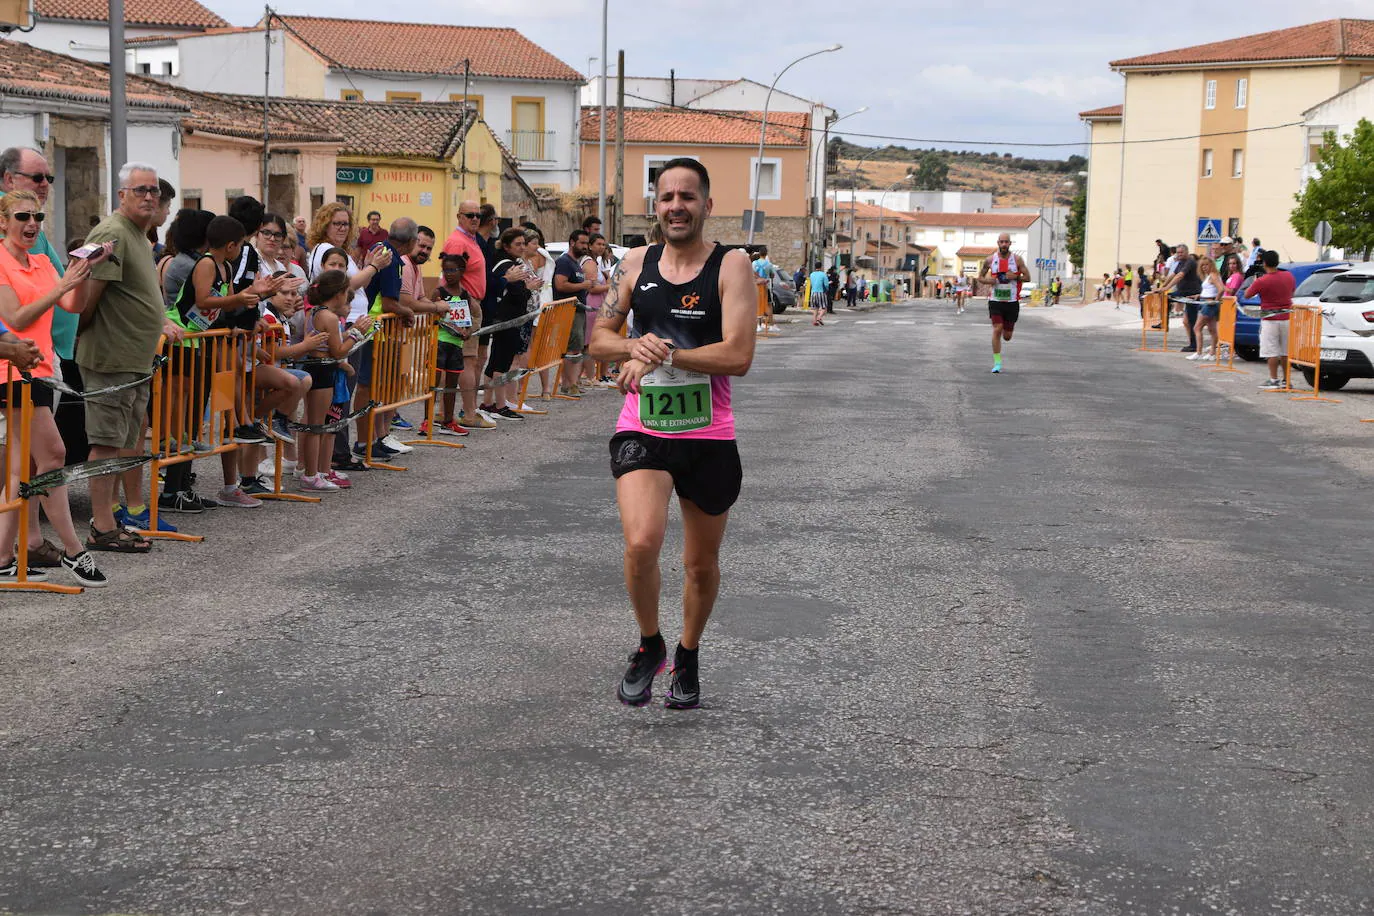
(1247,328)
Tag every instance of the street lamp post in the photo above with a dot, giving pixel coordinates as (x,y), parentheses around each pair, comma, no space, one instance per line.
(763,130)
(821,166)
(882,201)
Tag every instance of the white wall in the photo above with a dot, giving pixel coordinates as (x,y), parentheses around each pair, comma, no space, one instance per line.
(229,62)
(648,92)
(930,201)
(92,39)
(561,112)
(162,60)
(1340,114)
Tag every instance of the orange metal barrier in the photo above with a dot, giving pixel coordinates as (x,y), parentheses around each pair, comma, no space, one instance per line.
(1305,348)
(1154,317)
(270,340)
(547,346)
(1226,335)
(404,363)
(19,426)
(202,391)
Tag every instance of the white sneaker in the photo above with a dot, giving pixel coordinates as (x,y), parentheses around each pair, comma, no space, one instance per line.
(267,467)
(1205,357)
(396,445)
(487,415)
(1193,357)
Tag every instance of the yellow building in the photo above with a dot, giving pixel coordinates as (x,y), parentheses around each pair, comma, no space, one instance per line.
(415,159)
(1214,132)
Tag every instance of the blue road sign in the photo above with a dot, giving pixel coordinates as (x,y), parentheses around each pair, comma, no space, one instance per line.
(1208,231)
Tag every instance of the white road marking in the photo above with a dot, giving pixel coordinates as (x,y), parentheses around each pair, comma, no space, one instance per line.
(865,321)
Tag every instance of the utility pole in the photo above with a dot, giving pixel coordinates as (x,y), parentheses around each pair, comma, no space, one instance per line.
(619,145)
(119,127)
(601,143)
(266,94)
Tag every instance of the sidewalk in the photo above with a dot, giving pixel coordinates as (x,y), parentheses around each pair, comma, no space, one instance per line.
(1086,315)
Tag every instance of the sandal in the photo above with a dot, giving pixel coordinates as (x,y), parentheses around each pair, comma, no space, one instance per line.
(353,464)
(120,540)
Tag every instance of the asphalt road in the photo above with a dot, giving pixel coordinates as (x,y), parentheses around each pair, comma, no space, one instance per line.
(1080,638)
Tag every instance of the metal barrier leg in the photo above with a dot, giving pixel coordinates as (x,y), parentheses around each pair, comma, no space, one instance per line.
(277,492)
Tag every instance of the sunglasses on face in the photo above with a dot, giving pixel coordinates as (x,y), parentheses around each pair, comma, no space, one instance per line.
(24,216)
(38,177)
(470,215)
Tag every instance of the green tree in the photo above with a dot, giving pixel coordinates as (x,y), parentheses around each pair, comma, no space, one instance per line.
(932,172)
(1073,226)
(1343,191)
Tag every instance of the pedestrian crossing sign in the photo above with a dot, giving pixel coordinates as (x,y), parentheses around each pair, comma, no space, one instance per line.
(1208,231)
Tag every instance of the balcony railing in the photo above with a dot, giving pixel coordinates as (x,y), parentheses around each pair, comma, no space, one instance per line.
(531,145)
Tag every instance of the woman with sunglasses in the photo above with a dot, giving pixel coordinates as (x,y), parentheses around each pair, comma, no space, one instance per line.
(29,290)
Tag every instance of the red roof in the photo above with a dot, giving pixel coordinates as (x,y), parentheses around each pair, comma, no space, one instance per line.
(971,252)
(697,127)
(863,210)
(181,13)
(1103,114)
(1331,39)
(427,130)
(37,74)
(413,47)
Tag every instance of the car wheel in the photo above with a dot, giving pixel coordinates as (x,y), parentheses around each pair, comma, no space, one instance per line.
(779,307)
(1331,381)
(1248,353)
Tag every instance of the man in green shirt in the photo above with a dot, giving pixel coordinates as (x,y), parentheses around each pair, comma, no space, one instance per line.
(127,315)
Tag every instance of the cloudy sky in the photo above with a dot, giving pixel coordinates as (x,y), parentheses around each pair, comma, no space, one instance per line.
(993,71)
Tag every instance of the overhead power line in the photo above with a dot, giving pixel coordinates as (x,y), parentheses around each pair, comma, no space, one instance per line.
(958,142)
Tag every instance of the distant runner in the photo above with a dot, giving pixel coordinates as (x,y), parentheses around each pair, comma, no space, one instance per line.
(694,308)
(1005,274)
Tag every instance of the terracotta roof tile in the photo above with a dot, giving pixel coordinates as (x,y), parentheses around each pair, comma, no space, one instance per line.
(695,126)
(412,47)
(1330,39)
(969,251)
(183,13)
(241,117)
(975,220)
(34,73)
(863,210)
(430,130)
(1103,114)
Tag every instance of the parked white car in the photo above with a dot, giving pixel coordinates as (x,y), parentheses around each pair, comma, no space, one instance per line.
(1347,303)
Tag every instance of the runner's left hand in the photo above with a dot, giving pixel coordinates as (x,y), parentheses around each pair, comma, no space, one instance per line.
(630,374)
(650,349)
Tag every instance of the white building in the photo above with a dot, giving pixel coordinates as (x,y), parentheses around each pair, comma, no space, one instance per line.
(71,26)
(66,116)
(964,239)
(528,97)
(1338,114)
(912,201)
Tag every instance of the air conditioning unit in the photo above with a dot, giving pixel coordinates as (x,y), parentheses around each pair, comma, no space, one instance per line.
(649,205)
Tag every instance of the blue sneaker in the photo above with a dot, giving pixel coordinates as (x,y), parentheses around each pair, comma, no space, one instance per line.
(400,422)
(126,519)
(997,368)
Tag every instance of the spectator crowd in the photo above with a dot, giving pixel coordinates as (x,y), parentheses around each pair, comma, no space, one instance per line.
(86,328)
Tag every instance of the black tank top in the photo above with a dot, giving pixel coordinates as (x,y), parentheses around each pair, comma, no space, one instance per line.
(688,314)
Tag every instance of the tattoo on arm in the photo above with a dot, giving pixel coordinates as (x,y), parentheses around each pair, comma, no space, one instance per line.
(610,307)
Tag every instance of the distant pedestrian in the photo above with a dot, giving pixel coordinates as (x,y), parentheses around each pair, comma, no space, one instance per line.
(1275,292)
(819,284)
(371,235)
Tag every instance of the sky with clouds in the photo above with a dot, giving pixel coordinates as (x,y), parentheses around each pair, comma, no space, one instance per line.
(993,71)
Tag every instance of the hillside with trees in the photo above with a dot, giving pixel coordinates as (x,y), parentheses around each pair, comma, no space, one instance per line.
(1014,181)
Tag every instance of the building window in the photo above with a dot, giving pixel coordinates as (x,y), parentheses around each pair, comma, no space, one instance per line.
(1316,137)
(402,96)
(768,173)
(1211,99)
(1237,162)
(652,166)
(949,235)
(1206,163)
(1242,91)
(350,95)
(145,69)
(473,100)
(190,198)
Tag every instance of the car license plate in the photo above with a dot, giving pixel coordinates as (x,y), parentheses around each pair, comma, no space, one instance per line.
(1333,354)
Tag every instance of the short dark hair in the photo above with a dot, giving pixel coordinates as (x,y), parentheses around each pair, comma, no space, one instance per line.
(326,286)
(592,237)
(372,213)
(186,234)
(248,211)
(223,230)
(510,235)
(488,213)
(684,162)
(591,221)
(1270,258)
(575,233)
(330,252)
(165,192)
(275,220)
(425,230)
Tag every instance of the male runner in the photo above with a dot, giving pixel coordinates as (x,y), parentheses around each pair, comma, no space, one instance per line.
(694,307)
(1005,273)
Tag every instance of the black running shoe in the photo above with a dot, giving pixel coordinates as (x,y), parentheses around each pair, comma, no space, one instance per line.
(637,687)
(684,690)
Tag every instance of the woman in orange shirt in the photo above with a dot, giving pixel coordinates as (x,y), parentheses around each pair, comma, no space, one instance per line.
(29,290)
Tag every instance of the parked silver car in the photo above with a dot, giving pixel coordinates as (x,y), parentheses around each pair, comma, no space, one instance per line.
(781,292)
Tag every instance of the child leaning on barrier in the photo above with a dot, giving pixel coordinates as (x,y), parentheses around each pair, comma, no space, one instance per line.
(323,338)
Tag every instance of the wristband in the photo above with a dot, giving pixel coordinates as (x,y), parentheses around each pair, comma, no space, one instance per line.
(355,334)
